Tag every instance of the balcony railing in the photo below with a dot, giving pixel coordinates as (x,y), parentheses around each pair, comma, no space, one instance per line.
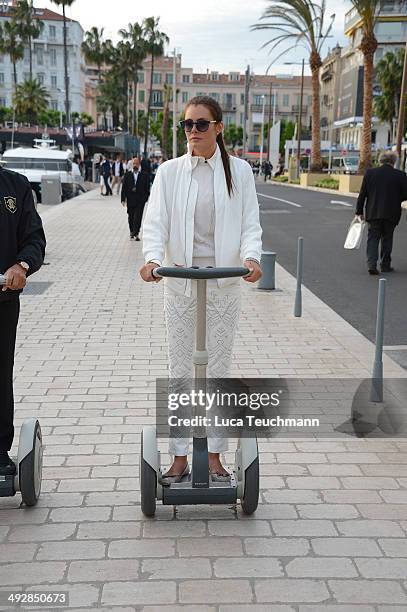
(327,75)
(157,104)
(391,7)
(351,17)
(229,108)
(296,109)
(258,108)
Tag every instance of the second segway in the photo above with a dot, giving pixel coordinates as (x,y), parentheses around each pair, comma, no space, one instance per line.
(28,473)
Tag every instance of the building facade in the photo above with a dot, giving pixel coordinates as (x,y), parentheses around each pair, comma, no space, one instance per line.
(330,80)
(280,102)
(391,34)
(48,61)
(281,95)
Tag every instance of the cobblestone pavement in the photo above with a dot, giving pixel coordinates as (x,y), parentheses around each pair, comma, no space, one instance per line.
(330,532)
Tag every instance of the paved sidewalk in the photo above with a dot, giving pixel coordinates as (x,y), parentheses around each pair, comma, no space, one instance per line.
(330,533)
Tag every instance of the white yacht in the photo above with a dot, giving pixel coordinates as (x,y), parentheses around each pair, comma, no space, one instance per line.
(42,160)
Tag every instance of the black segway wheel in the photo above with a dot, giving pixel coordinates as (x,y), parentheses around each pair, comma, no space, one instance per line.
(250,499)
(30,470)
(148,485)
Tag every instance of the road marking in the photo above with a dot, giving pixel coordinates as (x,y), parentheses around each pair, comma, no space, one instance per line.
(340,202)
(396,347)
(275,212)
(263,195)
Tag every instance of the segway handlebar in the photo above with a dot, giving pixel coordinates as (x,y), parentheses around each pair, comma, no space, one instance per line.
(197,273)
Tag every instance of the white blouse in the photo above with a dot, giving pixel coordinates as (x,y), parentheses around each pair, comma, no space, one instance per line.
(204,217)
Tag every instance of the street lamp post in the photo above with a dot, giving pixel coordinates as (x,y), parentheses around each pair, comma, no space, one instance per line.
(269,122)
(263,98)
(174,106)
(274,107)
(300,123)
(246,108)
(331,131)
(299,115)
(402,108)
(301,100)
(14,122)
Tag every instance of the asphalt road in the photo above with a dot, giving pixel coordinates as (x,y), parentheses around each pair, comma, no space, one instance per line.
(337,276)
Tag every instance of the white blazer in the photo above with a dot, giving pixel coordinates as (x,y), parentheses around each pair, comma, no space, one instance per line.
(168,227)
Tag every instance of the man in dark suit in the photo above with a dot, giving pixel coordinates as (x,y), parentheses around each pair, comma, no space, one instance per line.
(135,192)
(379,203)
(106,169)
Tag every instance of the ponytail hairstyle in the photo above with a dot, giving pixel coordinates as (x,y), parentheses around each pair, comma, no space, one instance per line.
(213,106)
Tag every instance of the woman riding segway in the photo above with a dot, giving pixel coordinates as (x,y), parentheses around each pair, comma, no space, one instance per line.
(203,211)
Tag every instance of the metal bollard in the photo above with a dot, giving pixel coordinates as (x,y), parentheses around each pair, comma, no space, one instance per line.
(298,295)
(376,392)
(268,267)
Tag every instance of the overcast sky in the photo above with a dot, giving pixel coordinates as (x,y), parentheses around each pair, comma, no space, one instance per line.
(211,34)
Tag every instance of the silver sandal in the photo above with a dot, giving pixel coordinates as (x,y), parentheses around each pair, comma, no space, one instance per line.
(216,477)
(166,480)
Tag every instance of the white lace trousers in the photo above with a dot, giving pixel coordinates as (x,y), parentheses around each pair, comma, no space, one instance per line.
(223,309)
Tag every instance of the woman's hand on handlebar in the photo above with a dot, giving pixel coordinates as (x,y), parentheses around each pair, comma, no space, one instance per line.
(146,273)
(255,271)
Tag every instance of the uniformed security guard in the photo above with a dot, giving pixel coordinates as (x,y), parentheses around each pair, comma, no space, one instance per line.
(22,250)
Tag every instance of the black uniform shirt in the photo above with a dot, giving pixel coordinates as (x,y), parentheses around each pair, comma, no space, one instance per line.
(22,237)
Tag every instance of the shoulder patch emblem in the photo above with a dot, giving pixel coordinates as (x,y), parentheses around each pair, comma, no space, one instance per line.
(10,203)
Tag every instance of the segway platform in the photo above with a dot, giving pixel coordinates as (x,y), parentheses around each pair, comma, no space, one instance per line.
(27,477)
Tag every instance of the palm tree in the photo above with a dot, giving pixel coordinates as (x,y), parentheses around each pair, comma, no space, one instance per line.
(12,45)
(141,122)
(166,115)
(233,135)
(102,106)
(368,11)
(114,87)
(30,27)
(135,36)
(301,22)
(64,4)
(119,57)
(389,74)
(155,42)
(93,49)
(30,98)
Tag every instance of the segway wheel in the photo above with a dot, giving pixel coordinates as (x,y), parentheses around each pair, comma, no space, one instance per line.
(250,499)
(30,470)
(148,485)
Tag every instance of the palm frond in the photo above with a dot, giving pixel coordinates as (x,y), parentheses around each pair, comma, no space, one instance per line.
(304,19)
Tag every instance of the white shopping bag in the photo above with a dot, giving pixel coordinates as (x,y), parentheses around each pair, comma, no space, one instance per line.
(355,234)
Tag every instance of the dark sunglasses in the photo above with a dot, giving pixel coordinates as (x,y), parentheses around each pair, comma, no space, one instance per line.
(202,125)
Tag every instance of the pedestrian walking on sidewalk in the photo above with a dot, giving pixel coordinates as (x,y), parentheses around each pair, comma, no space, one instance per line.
(203,209)
(22,249)
(117,173)
(379,203)
(135,192)
(268,168)
(106,169)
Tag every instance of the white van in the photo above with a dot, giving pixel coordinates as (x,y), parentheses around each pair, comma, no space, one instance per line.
(44,159)
(348,164)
